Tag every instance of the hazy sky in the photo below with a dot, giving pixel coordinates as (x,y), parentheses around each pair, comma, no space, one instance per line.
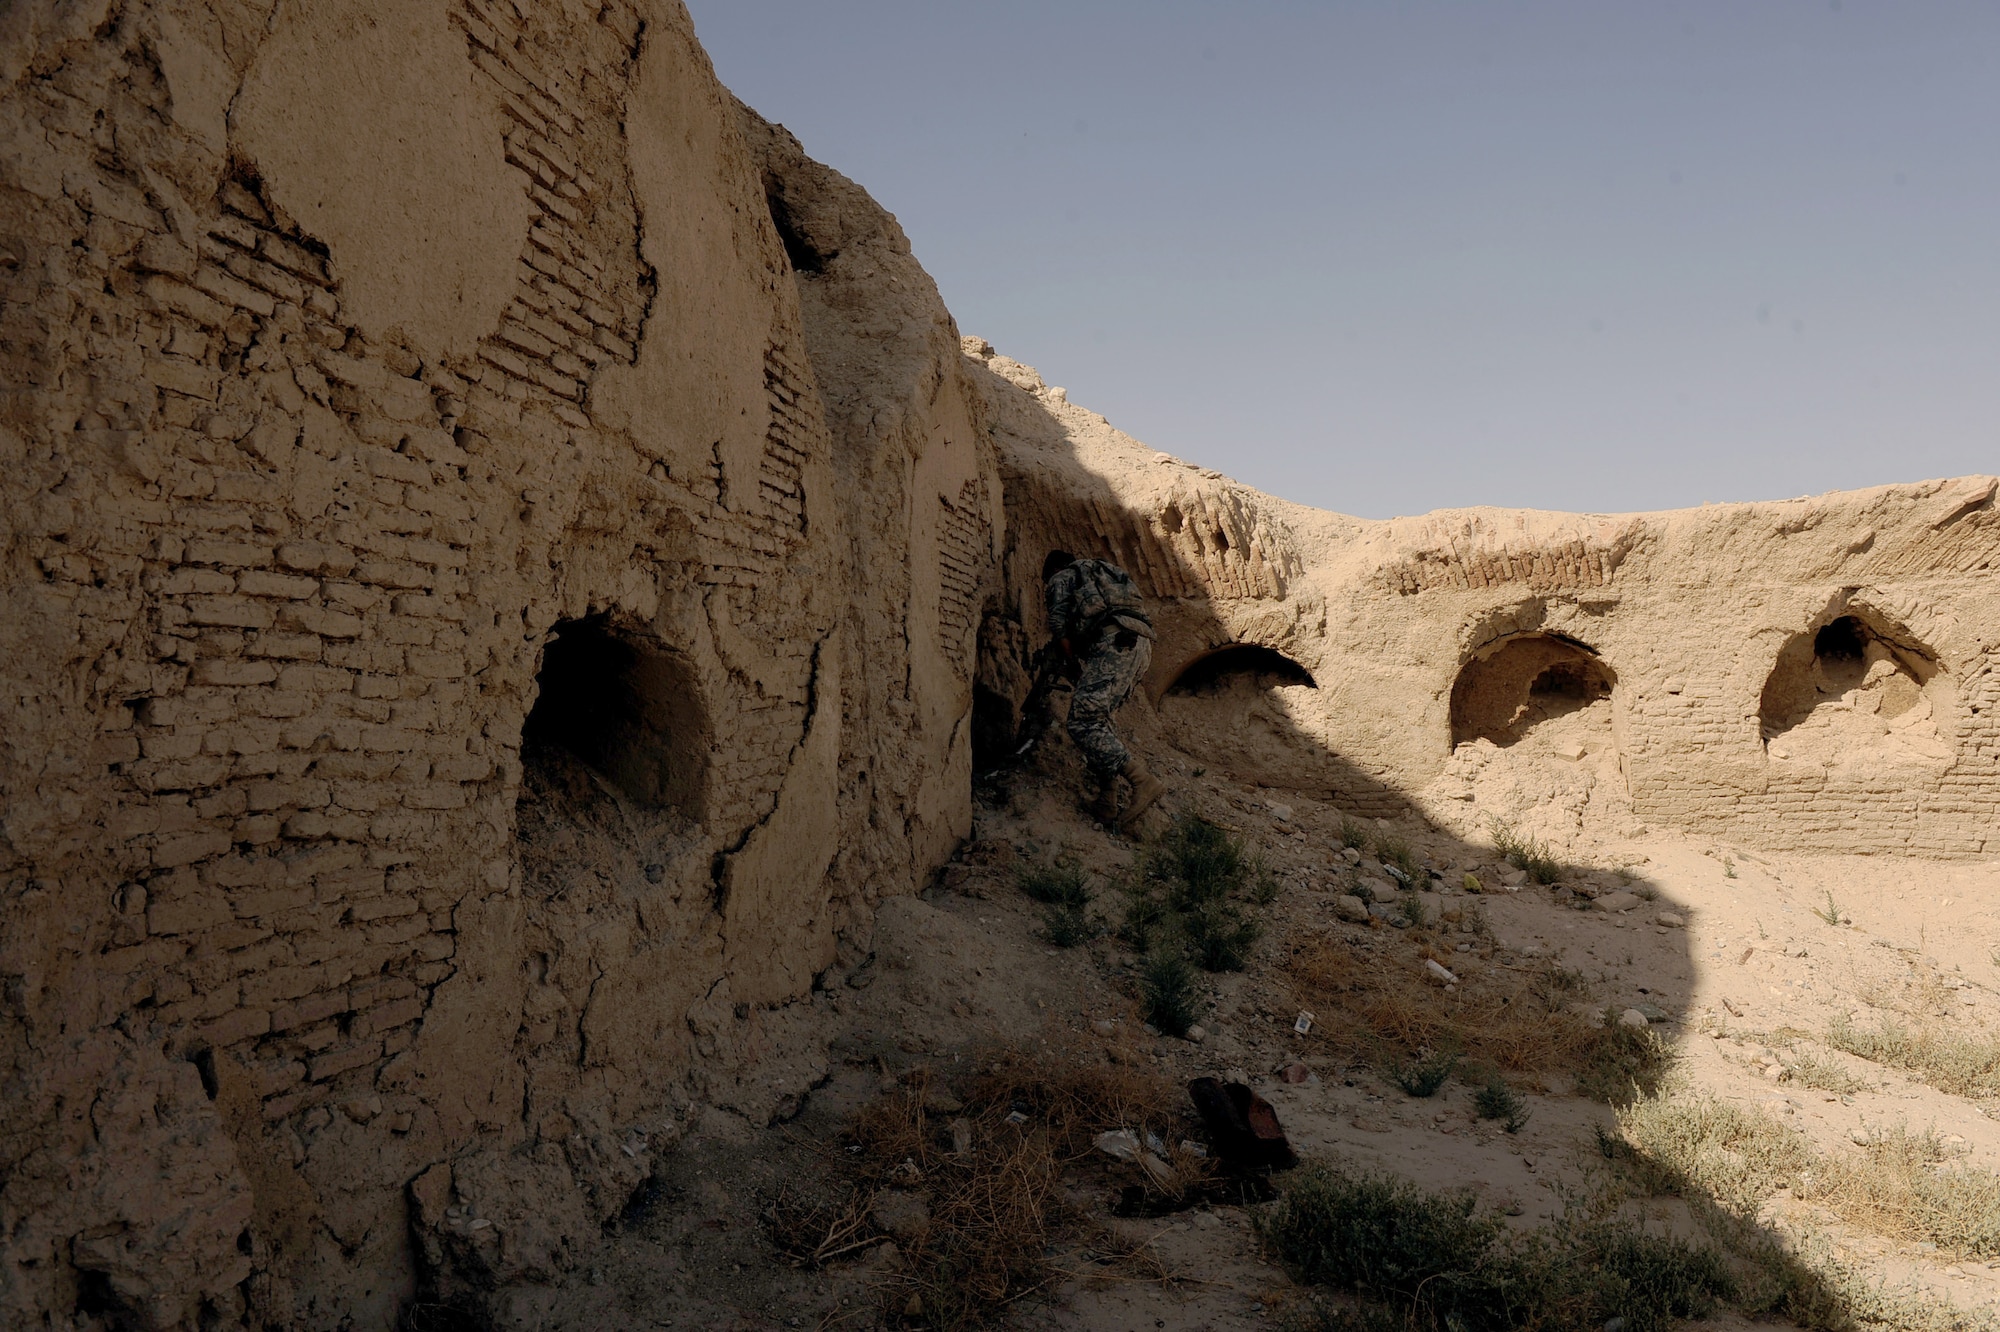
(1386,258)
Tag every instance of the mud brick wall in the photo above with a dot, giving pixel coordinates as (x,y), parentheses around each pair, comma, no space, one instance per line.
(1689,613)
(386,387)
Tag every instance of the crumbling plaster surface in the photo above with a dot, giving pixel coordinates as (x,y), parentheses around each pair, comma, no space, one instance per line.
(1688,612)
(356,352)
(353,350)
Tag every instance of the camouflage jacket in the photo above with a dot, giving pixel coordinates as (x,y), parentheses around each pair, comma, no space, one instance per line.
(1087,596)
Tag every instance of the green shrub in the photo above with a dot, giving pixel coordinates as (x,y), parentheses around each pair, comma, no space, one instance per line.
(1525,852)
(1066,924)
(1496,1100)
(1184,891)
(1058,885)
(1167,992)
(1219,937)
(1441,1265)
(1422,1075)
(1352,833)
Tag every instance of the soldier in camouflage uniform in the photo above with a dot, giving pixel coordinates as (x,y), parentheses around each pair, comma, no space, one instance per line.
(1098,629)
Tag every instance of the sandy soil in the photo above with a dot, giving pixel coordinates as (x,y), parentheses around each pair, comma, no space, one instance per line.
(1746,958)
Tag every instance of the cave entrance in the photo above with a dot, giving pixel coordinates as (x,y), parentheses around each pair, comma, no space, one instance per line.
(619,705)
(1252,712)
(1240,663)
(1853,673)
(1518,683)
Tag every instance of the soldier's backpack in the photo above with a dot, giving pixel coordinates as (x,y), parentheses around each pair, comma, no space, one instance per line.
(1105,592)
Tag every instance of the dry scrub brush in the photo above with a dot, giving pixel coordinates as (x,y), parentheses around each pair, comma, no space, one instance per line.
(990,1172)
(1904,1185)
(1960,1065)
(1442,1263)
(1513,1020)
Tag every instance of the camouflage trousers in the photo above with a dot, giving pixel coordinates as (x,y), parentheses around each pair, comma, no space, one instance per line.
(1111,669)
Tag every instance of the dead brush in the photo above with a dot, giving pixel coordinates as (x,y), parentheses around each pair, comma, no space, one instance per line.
(996,1207)
(1516,1020)
(812,1232)
(1903,1185)
(1960,1065)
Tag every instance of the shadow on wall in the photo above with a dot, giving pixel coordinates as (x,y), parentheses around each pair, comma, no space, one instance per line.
(1227,701)
(1536,1019)
(615,761)
(1856,685)
(1516,683)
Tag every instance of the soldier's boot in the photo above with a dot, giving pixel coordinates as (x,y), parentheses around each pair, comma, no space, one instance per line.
(1146,790)
(1104,808)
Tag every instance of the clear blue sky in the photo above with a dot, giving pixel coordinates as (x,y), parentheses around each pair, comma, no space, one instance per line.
(1385,258)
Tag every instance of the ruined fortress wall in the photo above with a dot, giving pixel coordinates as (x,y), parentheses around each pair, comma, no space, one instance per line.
(1702,622)
(455,704)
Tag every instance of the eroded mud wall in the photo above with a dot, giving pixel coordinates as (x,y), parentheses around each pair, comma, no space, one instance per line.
(1813,674)
(453,706)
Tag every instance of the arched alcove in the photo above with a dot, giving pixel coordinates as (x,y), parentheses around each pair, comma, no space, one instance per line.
(1251,711)
(1855,683)
(624,706)
(1262,667)
(1518,683)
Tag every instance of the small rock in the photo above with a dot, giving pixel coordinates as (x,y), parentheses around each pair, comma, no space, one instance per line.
(1513,1209)
(1197,1033)
(1119,1144)
(1471,883)
(1619,901)
(961,1137)
(1381,889)
(1653,1012)
(1351,854)
(1618,1324)
(1295,1072)
(1632,1017)
(1369,1125)
(1351,908)
(1573,753)
(1774,1072)
(1672,920)
(1104,1027)
(1513,878)
(1438,973)
(1282,813)
(1859,1137)
(904,1215)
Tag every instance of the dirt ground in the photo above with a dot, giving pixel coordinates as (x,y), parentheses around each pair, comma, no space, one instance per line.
(1734,959)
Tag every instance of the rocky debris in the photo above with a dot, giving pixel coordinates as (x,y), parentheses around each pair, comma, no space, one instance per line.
(1350,908)
(1632,1017)
(1618,901)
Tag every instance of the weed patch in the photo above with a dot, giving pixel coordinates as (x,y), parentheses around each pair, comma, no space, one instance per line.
(1496,1100)
(1957,1064)
(1440,1263)
(1903,1185)
(1055,885)
(1184,897)
(1167,993)
(1501,1018)
(1526,852)
(1422,1074)
(990,1175)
